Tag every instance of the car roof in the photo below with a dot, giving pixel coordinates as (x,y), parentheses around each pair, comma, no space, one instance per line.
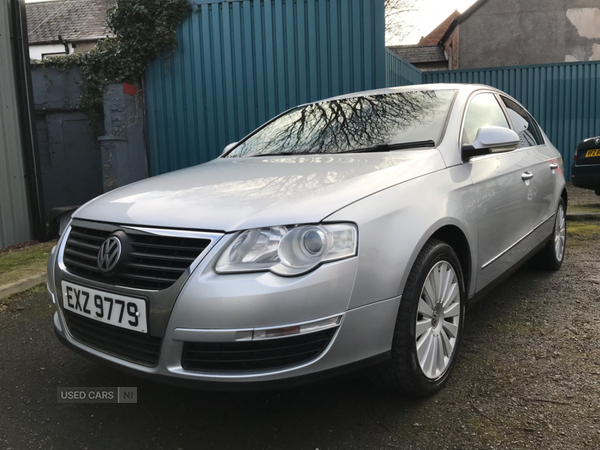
(413,88)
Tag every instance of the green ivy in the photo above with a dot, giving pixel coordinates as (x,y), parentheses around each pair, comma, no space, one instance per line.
(140,31)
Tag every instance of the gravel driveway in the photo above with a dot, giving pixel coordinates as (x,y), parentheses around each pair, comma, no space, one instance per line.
(528,376)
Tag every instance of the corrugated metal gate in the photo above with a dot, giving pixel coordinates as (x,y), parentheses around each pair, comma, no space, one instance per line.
(400,72)
(239,63)
(564,98)
(70,158)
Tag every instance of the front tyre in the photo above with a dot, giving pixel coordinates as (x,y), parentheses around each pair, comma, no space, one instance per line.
(429,324)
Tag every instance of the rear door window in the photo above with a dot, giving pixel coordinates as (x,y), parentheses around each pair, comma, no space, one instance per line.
(525,126)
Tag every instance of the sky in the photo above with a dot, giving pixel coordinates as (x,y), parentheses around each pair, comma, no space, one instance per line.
(428,14)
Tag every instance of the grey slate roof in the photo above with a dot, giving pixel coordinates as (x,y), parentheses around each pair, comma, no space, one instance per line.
(416,54)
(74,20)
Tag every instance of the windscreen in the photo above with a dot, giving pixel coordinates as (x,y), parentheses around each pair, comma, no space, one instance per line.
(365,123)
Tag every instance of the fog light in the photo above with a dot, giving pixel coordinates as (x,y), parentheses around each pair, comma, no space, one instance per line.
(292,330)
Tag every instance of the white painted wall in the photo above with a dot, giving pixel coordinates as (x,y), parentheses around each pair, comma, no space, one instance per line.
(587,22)
(36,51)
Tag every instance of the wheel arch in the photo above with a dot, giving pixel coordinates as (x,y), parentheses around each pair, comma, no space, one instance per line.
(564,196)
(455,238)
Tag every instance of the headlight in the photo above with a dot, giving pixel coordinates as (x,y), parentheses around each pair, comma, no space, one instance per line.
(288,250)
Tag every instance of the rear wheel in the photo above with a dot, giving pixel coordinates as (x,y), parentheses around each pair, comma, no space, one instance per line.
(552,255)
(429,324)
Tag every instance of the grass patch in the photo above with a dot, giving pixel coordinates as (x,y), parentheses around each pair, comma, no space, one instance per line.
(24,262)
(6,302)
(582,233)
(584,208)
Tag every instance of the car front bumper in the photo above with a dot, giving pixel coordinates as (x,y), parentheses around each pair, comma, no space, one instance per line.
(225,309)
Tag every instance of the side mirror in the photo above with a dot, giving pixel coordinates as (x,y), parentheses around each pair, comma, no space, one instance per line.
(491,140)
(229,147)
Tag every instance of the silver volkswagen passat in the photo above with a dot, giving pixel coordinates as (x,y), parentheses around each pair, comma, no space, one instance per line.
(343,234)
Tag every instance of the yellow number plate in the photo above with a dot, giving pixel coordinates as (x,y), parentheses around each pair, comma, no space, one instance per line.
(590,153)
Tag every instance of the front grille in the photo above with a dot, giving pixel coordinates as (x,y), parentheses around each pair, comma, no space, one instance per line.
(155,262)
(136,347)
(255,355)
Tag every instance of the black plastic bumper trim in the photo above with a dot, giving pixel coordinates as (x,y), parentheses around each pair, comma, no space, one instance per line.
(356,368)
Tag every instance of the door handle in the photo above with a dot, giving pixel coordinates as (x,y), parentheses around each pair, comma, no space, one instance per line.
(553,166)
(526,176)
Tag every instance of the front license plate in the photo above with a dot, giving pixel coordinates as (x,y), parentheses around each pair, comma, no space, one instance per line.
(590,153)
(114,309)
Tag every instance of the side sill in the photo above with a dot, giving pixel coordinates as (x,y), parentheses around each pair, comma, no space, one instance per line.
(486,290)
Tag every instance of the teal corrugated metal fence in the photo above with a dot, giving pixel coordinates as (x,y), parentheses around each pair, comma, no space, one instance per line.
(400,72)
(564,98)
(239,63)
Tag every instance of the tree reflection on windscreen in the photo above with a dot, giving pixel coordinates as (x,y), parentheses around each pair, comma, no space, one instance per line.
(352,124)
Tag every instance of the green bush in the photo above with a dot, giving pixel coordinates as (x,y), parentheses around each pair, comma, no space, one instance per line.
(140,31)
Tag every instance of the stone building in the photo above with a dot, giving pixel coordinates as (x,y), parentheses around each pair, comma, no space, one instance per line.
(494,33)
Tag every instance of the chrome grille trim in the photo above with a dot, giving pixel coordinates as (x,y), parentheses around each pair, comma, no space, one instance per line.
(159,257)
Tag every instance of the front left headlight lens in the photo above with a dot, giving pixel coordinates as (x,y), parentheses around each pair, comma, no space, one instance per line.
(288,251)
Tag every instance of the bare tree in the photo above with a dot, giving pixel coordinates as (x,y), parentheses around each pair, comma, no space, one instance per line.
(344,125)
(397,26)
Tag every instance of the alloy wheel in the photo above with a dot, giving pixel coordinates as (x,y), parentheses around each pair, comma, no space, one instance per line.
(560,233)
(438,319)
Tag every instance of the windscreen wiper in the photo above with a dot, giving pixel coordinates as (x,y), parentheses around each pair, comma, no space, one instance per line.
(377,148)
(278,154)
(390,147)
